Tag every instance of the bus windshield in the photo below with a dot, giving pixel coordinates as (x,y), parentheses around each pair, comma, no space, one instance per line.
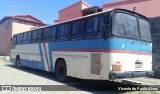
(127,25)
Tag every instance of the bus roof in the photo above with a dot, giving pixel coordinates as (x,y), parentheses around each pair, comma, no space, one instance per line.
(125,10)
(118,9)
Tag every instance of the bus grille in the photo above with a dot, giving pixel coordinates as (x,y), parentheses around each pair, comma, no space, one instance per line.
(95,63)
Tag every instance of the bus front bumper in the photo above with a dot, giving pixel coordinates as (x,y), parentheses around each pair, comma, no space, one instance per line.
(132,74)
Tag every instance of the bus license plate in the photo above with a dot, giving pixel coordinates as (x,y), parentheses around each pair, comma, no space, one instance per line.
(138,65)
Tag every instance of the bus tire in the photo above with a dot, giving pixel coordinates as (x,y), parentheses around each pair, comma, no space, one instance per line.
(18,63)
(61,71)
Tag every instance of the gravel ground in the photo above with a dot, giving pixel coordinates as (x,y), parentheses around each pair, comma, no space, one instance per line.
(12,75)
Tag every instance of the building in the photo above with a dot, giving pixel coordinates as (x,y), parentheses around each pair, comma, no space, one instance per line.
(148,8)
(11,25)
(141,6)
(72,11)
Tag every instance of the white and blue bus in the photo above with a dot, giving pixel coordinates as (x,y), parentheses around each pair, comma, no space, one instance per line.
(107,45)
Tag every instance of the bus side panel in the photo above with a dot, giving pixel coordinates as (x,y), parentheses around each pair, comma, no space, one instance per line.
(29,55)
(78,64)
(59,55)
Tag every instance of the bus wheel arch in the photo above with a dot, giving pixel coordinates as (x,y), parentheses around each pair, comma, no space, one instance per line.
(61,70)
(18,63)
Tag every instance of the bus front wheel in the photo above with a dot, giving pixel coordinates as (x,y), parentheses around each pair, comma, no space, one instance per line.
(61,71)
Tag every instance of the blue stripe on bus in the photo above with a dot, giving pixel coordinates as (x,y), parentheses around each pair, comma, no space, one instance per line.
(50,58)
(32,64)
(102,44)
(42,60)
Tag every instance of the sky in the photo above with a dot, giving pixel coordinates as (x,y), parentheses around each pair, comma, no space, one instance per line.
(45,10)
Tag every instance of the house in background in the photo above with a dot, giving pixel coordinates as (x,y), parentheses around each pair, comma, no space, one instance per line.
(11,25)
(72,11)
(149,8)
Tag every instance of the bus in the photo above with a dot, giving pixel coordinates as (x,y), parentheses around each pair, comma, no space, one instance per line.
(107,45)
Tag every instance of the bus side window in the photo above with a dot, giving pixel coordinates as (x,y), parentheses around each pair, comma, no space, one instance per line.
(107,24)
(14,40)
(34,36)
(52,33)
(95,26)
(24,37)
(39,34)
(20,38)
(45,34)
(64,31)
(78,29)
(28,37)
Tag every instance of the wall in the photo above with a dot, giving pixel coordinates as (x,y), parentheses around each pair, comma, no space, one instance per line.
(71,12)
(22,26)
(156,45)
(5,29)
(148,8)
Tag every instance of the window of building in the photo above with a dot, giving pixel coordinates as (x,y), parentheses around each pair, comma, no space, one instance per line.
(78,29)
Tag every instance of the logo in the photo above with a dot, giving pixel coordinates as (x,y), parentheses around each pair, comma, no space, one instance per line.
(6,88)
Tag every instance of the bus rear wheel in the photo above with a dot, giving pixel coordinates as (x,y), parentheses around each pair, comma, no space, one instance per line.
(61,71)
(18,63)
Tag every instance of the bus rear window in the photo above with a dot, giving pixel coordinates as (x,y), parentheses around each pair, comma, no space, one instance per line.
(125,25)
